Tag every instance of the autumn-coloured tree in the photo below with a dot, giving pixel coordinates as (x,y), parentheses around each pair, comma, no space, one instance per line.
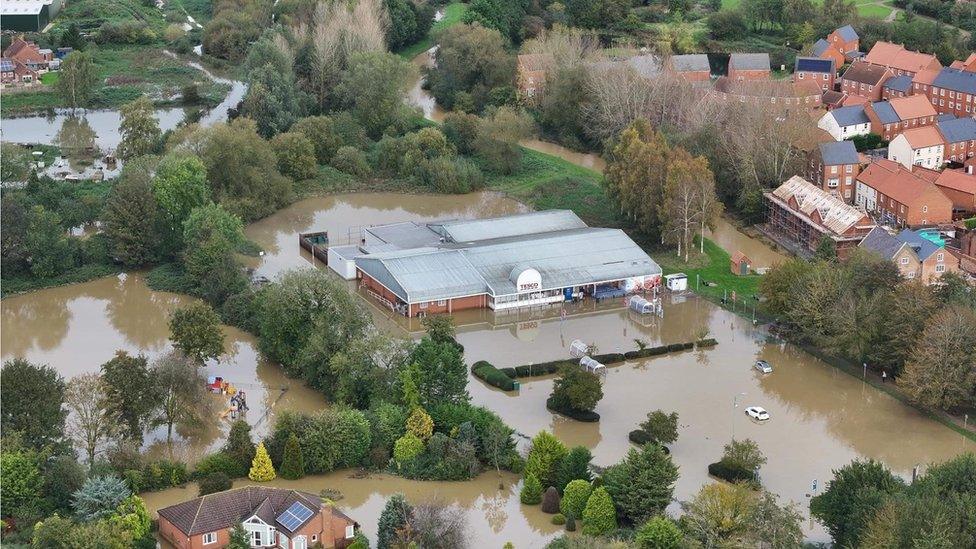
(940,371)
(635,174)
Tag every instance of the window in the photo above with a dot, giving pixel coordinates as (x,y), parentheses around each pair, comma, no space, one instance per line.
(940,257)
(910,275)
(849,168)
(904,261)
(350,531)
(925,209)
(424,305)
(210,538)
(315,537)
(940,268)
(441,302)
(256,538)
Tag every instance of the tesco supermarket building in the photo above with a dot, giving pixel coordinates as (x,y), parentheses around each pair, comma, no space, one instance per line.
(522,260)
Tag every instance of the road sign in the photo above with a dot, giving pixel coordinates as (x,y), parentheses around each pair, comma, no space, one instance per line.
(813,487)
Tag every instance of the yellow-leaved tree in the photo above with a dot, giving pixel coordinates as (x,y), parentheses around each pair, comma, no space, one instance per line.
(262,469)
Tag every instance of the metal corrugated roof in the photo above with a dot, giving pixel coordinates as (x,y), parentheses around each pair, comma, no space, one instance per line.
(474,230)
(424,274)
(407,234)
(23,7)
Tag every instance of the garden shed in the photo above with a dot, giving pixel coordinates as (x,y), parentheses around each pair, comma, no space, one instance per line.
(740,264)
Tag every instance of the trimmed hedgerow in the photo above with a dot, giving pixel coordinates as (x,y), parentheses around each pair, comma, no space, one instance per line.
(724,471)
(579,415)
(486,372)
(609,358)
(710,342)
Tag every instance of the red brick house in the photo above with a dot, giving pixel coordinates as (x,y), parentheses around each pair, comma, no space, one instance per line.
(804,214)
(969,65)
(900,60)
(273,517)
(845,40)
(834,167)
(951,91)
(814,69)
(889,118)
(864,80)
(691,67)
(898,86)
(771,92)
(28,53)
(749,66)
(960,187)
(825,50)
(900,197)
(959,137)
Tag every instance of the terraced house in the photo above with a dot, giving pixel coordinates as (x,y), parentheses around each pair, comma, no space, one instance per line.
(820,71)
(900,197)
(951,91)
(890,118)
(899,60)
(865,80)
(833,167)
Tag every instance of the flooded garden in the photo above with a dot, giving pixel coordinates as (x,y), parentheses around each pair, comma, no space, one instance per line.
(821,417)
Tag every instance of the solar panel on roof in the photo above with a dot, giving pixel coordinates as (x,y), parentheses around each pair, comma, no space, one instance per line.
(294,516)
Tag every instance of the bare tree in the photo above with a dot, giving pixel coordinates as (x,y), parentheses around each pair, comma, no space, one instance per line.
(436,525)
(182,397)
(90,422)
(707,206)
(678,210)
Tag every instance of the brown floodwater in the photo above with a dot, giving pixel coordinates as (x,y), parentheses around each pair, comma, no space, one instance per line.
(732,240)
(494,513)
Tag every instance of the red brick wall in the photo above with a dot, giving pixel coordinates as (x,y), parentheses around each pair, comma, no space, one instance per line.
(817,77)
(956,103)
(854,88)
(939,208)
(960,200)
(451,305)
(179,539)
(960,150)
(736,74)
(696,76)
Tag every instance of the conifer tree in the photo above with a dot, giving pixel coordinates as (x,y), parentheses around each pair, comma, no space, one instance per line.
(292,462)
(261,468)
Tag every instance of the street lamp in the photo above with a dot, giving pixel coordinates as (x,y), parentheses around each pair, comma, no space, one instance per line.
(735,404)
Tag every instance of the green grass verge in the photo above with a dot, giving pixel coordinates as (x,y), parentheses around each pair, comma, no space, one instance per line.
(548,182)
(712,266)
(452,16)
(49,78)
(873,11)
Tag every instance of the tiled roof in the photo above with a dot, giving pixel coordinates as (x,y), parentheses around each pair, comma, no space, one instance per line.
(958,129)
(881,242)
(847,33)
(831,97)
(690,62)
(896,56)
(957,180)
(837,215)
(224,509)
(925,77)
(923,247)
(645,65)
(749,61)
(866,73)
(814,64)
(925,136)
(912,106)
(886,114)
(820,46)
(838,152)
(956,79)
(901,83)
(850,116)
(892,179)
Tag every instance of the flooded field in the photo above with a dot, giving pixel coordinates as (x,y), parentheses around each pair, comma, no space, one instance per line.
(494,513)
(732,240)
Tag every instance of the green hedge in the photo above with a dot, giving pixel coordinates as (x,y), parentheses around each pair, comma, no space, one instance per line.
(486,372)
(707,343)
(729,473)
(585,416)
(609,358)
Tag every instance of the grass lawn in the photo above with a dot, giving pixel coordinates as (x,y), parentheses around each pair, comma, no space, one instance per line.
(713,266)
(452,16)
(49,78)
(873,11)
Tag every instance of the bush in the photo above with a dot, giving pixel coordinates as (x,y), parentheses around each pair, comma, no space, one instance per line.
(570,523)
(576,390)
(609,358)
(531,493)
(639,437)
(729,472)
(492,376)
(407,448)
(658,533)
(574,498)
(550,500)
(351,161)
(710,342)
(579,415)
(599,516)
(510,372)
(453,175)
(559,519)
(213,483)
(218,462)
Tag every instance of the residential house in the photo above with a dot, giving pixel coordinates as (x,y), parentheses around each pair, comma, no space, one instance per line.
(772,92)
(934,258)
(692,67)
(530,75)
(897,86)
(959,135)
(825,50)
(921,146)
(900,60)
(803,213)
(749,66)
(893,249)
(969,65)
(899,197)
(833,99)
(273,517)
(951,91)
(845,40)
(29,54)
(845,122)
(833,167)
(889,118)
(865,80)
(817,70)
(960,187)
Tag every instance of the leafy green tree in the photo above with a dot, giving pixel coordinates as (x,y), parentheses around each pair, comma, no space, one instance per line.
(274,101)
(195,331)
(213,235)
(719,515)
(420,424)
(576,389)
(635,175)
(504,16)
(531,493)
(575,465)
(130,219)
(132,517)
(139,129)
(77,79)
(129,392)
(642,485)
(409,23)
(826,249)
(440,328)
(99,497)
(180,186)
(394,517)
(407,448)
(661,427)
(296,155)
(262,470)
(659,532)
(472,60)
(499,135)
(33,403)
(781,284)
(596,14)
(544,457)
(16,163)
(444,375)
(292,464)
(182,398)
(575,495)
(63,476)
(14,222)
(744,455)
(599,515)
(91,422)
(775,525)
(239,446)
(373,87)
(22,482)
(329,133)
(352,161)
(239,538)
(939,372)
(47,244)
(852,498)
(214,482)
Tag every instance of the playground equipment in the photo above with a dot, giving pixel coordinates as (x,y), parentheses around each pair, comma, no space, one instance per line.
(593,366)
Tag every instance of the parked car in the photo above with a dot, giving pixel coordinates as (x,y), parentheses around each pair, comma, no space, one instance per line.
(757,412)
(764,367)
